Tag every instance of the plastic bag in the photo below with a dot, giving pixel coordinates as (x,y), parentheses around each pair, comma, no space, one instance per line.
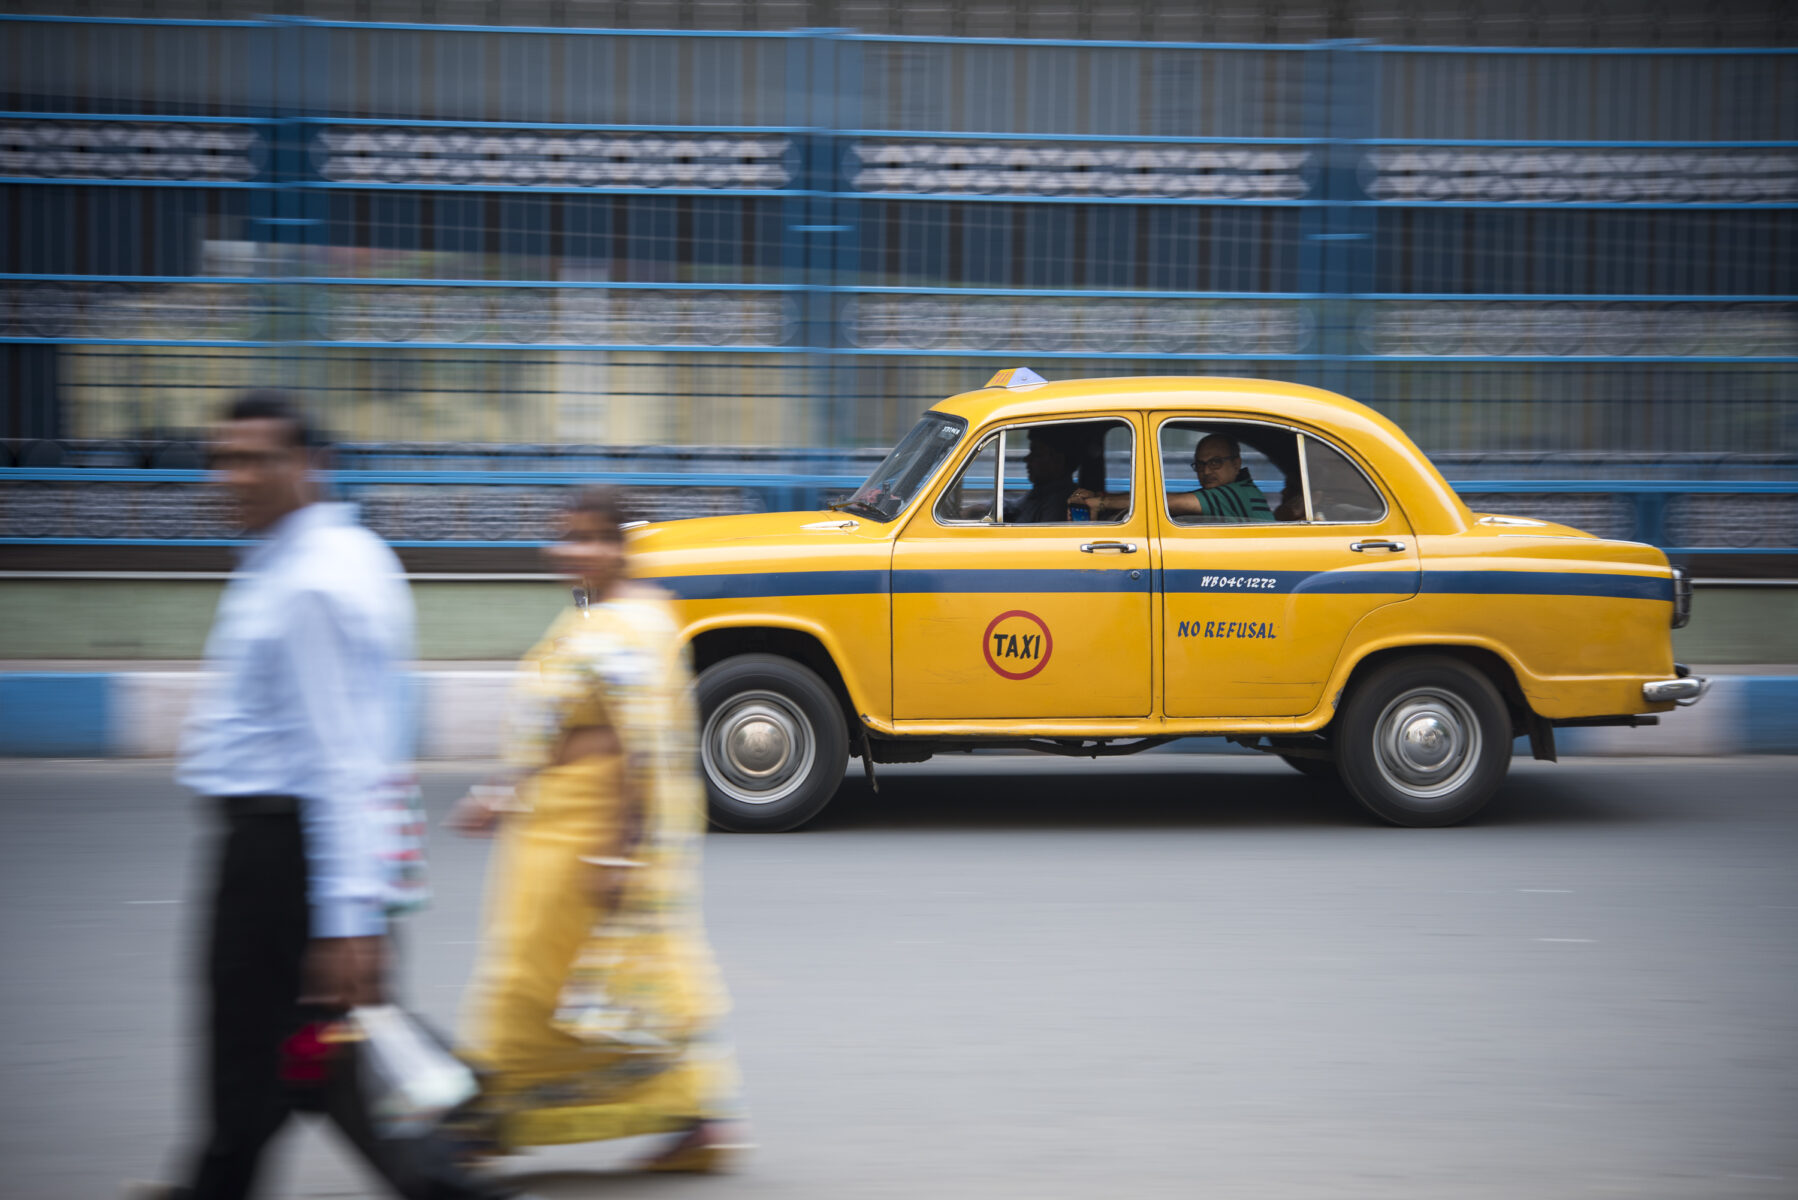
(409,1077)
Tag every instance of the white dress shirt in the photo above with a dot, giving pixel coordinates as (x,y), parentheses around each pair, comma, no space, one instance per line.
(309,698)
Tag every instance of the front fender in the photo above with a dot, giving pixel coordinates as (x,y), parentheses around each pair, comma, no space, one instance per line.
(855,639)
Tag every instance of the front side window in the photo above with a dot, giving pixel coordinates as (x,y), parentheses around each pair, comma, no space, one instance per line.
(1036,475)
(908,468)
(971,497)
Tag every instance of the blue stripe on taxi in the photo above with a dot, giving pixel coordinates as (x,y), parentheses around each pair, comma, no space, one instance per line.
(1123,579)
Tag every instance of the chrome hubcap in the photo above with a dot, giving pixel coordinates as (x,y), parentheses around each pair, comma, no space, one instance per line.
(757,747)
(1427,742)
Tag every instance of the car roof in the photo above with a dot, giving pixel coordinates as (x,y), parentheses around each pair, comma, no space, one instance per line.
(1155,392)
(1430,502)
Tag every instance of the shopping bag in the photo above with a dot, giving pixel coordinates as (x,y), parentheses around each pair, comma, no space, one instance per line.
(410,1079)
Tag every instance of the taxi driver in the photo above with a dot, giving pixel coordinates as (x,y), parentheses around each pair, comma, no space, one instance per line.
(1226,491)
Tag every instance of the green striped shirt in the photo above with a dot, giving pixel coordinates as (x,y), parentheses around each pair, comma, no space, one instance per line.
(1238,500)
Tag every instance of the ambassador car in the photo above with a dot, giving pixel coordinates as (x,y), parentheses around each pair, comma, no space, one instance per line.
(1096,567)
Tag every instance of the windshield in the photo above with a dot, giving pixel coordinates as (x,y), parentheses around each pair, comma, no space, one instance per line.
(908,468)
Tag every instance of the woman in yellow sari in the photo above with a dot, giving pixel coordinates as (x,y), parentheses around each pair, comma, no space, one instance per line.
(595,1008)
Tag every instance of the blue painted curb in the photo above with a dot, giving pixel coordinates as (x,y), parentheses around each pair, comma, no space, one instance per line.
(56,715)
(1770,713)
(47,714)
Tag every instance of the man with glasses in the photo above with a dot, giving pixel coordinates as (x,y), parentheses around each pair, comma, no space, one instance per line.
(1226,491)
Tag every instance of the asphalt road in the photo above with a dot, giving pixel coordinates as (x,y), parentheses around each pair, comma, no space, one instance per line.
(1164,976)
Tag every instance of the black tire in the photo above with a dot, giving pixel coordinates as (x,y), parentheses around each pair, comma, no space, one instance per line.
(1316,768)
(1424,741)
(773,743)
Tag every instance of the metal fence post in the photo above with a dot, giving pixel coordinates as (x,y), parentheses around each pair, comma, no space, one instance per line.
(1338,255)
(818,236)
(283,217)
(798,217)
(842,239)
(1651,517)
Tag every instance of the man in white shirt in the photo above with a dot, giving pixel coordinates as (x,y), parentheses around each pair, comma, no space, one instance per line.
(297,740)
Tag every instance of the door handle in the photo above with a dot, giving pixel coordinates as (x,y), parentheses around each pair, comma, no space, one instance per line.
(1108,547)
(1376,545)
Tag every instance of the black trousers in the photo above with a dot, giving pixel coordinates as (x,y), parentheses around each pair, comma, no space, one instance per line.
(255,958)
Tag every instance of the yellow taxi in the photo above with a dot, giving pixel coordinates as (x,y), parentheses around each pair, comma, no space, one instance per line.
(1100,566)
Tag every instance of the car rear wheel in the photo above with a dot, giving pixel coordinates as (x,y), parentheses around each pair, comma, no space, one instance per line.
(1424,741)
(773,743)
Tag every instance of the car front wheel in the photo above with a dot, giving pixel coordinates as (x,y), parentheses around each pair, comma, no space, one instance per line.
(773,742)
(1424,741)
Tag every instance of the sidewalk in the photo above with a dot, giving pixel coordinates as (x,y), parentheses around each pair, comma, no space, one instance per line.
(93,709)
(134,709)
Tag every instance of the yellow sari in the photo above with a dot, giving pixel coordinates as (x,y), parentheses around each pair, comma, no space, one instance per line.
(591,1025)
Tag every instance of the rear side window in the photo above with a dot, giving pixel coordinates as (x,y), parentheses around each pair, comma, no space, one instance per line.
(1214,470)
(1230,472)
(1339,492)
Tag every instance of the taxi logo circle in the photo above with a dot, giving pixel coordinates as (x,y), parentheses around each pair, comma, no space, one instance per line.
(1017,644)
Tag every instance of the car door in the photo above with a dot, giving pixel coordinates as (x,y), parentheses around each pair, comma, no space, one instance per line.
(993,618)
(1254,614)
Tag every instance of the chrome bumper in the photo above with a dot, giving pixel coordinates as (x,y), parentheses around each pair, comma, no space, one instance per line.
(1685,690)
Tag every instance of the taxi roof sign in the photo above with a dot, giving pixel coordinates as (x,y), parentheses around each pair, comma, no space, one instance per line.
(1013,377)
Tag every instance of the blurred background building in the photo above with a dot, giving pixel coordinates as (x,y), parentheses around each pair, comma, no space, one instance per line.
(735,248)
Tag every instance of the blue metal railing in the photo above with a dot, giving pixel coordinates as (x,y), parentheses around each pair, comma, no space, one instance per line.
(587,235)
(1643,518)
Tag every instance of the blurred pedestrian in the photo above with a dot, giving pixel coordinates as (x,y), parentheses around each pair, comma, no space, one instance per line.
(294,743)
(596,1007)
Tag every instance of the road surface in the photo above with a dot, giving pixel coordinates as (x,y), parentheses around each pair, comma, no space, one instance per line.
(1169,976)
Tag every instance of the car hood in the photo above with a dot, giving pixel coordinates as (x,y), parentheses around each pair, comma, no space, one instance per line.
(755,541)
